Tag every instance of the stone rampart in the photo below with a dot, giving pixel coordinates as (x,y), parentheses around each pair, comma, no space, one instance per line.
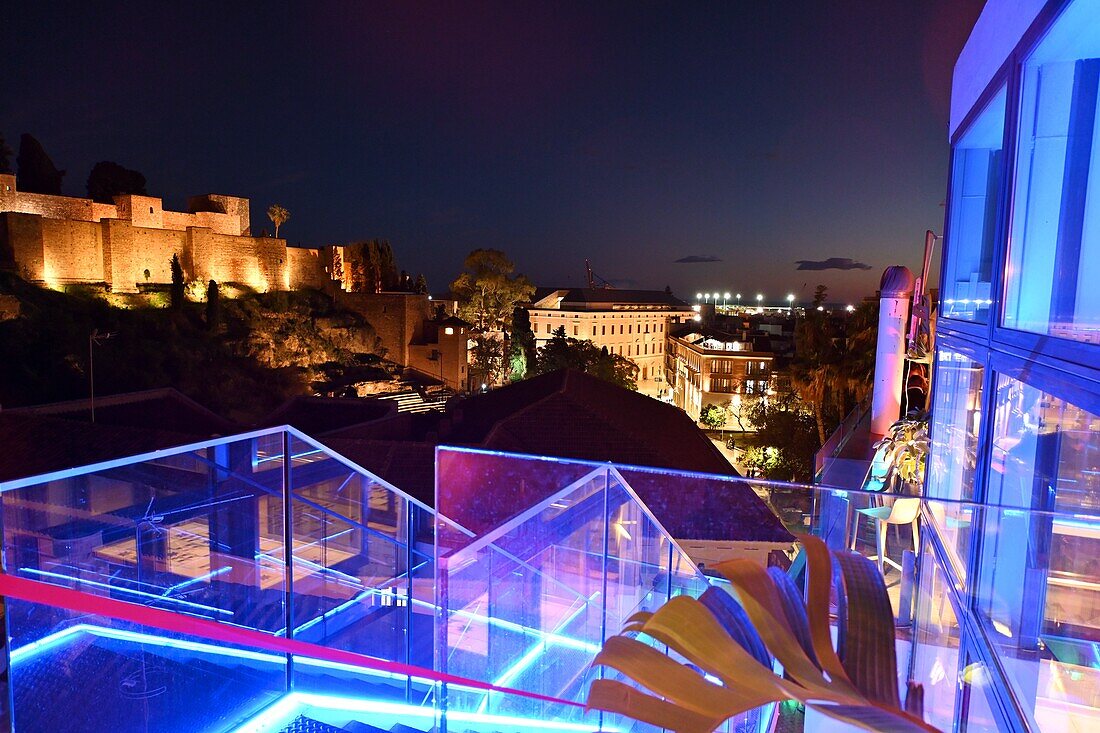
(59,239)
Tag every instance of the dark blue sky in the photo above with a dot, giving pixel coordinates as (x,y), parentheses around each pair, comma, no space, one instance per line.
(633,134)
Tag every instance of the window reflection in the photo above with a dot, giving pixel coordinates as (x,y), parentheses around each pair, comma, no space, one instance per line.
(1039,577)
(1054,248)
(976,165)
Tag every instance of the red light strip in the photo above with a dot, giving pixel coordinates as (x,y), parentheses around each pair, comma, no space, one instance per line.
(36,591)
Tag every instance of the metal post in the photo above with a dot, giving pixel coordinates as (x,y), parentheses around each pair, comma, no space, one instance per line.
(7,697)
(91,374)
(288,558)
(410,539)
(606,549)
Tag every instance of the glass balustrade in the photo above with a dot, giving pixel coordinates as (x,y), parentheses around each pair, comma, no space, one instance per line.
(224,553)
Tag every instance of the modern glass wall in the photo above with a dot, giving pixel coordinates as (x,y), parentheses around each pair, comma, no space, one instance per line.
(977,164)
(1054,246)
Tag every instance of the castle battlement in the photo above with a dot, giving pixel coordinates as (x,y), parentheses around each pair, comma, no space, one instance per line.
(129,243)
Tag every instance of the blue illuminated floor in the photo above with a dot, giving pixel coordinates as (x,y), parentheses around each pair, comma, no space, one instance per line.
(89,682)
(90,678)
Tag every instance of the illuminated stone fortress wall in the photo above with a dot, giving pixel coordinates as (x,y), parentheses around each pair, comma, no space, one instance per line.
(57,240)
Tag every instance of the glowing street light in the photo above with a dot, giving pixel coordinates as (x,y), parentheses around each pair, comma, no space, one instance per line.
(790,301)
(759,298)
(725,297)
(698,296)
(850,308)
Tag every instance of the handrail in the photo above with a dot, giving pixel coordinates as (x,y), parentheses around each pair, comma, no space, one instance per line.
(840,436)
(35,591)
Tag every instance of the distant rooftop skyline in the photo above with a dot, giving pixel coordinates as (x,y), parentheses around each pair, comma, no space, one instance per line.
(700,147)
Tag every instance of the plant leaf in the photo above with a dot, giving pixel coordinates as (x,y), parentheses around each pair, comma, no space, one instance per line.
(676,682)
(615,697)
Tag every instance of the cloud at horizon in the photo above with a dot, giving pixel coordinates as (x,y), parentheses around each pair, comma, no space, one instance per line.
(833,263)
(695,259)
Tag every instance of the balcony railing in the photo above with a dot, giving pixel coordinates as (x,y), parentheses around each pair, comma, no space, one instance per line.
(239,583)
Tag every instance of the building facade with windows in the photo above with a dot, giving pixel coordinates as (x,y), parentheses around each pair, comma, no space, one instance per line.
(1016,393)
(709,366)
(631,323)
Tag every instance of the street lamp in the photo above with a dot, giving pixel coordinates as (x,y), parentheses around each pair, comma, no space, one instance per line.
(95,338)
(759,302)
(698,296)
(850,308)
(790,300)
(738,296)
(725,297)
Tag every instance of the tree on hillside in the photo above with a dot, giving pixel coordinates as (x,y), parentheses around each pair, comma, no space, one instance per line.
(488,292)
(177,292)
(488,359)
(522,350)
(278,216)
(37,173)
(563,352)
(370,266)
(5,156)
(213,306)
(109,179)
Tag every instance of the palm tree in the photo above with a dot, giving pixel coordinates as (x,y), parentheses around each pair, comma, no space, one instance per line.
(278,216)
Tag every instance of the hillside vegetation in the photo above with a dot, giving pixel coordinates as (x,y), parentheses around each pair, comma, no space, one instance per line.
(258,350)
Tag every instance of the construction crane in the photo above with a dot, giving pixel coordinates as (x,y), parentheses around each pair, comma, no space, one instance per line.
(594,280)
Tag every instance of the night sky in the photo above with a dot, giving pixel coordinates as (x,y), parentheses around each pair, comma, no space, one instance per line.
(633,134)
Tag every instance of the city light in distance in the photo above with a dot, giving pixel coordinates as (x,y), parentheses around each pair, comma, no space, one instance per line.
(759,297)
(850,308)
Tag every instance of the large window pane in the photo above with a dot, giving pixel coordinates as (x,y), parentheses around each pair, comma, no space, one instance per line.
(954,451)
(1054,247)
(1045,451)
(976,165)
(1038,580)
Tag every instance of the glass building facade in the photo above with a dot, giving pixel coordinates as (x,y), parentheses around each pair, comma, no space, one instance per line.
(1016,393)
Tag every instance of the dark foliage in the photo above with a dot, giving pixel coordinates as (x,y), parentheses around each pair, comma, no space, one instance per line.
(562,352)
(37,173)
(787,434)
(213,306)
(370,266)
(5,156)
(109,179)
(265,351)
(177,291)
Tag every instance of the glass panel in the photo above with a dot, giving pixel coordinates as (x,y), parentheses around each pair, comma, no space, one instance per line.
(191,532)
(75,672)
(953,461)
(977,689)
(936,644)
(1039,597)
(1045,451)
(527,602)
(1054,247)
(976,173)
